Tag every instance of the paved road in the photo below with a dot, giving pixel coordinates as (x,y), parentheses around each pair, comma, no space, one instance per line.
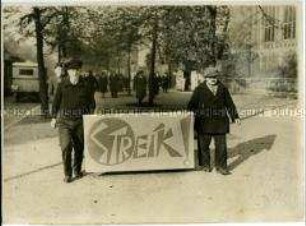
(14,112)
(264,154)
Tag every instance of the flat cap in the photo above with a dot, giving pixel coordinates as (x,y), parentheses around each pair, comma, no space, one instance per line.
(73,63)
(211,72)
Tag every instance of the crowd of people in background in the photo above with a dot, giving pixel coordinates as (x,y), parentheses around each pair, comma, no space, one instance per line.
(114,83)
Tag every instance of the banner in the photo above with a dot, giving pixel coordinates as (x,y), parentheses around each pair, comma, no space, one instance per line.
(138,142)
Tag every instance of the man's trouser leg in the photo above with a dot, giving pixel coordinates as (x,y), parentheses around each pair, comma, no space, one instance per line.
(78,146)
(66,147)
(92,106)
(221,151)
(204,151)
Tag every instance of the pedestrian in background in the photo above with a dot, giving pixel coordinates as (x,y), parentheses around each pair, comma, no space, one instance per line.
(120,82)
(156,83)
(113,85)
(71,101)
(103,83)
(165,83)
(140,86)
(212,103)
(92,87)
(60,71)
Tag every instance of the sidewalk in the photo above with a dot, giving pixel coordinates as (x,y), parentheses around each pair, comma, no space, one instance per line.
(264,155)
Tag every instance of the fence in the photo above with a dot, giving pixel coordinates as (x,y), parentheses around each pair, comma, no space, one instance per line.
(273,86)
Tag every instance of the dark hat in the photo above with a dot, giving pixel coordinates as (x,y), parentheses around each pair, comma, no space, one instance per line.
(73,63)
(211,72)
(140,72)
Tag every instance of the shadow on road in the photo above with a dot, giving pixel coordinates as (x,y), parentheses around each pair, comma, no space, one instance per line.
(249,148)
(147,172)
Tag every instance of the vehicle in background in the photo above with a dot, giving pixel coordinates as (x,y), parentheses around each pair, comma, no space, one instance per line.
(25,80)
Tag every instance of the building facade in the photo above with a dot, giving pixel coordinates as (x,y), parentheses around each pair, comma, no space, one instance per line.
(265,38)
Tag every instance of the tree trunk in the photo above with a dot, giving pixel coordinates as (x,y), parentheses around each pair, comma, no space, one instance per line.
(212,31)
(59,58)
(129,72)
(187,81)
(225,36)
(43,87)
(250,60)
(60,43)
(152,63)
(170,69)
(187,75)
(65,31)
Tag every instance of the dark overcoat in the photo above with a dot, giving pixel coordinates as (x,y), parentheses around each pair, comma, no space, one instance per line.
(71,101)
(103,83)
(114,83)
(212,112)
(92,87)
(140,86)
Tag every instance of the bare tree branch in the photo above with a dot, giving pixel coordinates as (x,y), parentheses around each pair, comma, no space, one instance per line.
(271,20)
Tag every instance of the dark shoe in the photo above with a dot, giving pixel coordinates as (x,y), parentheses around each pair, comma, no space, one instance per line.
(224,172)
(67,179)
(79,175)
(207,168)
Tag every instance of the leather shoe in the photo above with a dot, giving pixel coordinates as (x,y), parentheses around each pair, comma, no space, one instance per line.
(224,172)
(207,168)
(67,179)
(79,175)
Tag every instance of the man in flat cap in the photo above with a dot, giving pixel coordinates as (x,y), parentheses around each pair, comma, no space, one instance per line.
(212,103)
(71,101)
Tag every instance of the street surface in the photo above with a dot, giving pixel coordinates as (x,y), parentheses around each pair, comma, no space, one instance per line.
(265,155)
(16,111)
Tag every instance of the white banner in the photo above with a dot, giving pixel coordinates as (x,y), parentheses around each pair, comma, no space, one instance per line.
(138,142)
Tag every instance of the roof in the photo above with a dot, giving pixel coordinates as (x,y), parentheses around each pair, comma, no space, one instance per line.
(25,64)
(10,57)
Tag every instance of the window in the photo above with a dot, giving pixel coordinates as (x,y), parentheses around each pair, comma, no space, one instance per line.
(27,72)
(269,24)
(289,24)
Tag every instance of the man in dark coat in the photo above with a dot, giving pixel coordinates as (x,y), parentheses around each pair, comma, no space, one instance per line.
(113,85)
(212,103)
(156,83)
(71,101)
(120,82)
(165,83)
(92,87)
(103,83)
(140,86)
